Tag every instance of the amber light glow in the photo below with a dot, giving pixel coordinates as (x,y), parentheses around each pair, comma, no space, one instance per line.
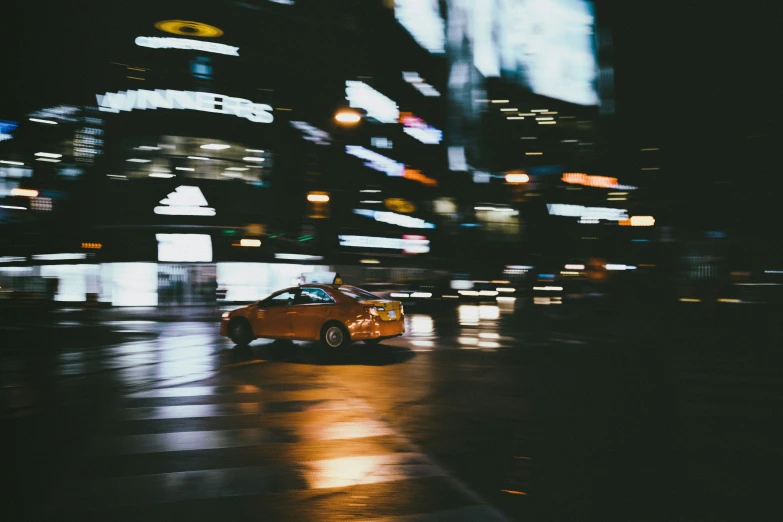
(416,175)
(318,197)
(517,177)
(348,116)
(189,28)
(30,193)
(577,178)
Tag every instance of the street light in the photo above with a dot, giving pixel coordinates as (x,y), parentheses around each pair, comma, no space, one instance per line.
(347,116)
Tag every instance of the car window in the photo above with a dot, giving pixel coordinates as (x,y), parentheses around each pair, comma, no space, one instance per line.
(357,293)
(282,299)
(314,296)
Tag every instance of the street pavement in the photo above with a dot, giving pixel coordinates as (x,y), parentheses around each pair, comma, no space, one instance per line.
(473,415)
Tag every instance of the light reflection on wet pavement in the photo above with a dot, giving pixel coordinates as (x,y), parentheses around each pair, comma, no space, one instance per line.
(551,426)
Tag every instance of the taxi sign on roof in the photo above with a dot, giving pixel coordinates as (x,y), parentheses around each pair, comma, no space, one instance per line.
(320,278)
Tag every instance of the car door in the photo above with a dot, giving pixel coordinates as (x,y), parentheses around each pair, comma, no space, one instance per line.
(311,310)
(272,317)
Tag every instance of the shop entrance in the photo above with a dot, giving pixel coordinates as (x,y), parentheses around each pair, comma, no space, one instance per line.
(183,285)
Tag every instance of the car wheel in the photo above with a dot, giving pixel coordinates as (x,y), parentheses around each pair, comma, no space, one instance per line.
(335,335)
(372,341)
(240,333)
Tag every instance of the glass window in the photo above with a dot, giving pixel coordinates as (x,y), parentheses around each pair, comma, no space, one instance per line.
(314,296)
(357,293)
(284,298)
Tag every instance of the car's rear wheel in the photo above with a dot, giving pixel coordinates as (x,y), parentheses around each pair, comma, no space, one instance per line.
(240,332)
(334,335)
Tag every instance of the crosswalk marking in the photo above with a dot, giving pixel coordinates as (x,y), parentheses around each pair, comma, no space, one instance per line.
(315,439)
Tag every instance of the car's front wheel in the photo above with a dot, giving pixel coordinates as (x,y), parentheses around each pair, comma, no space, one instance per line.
(240,332)
(334,335)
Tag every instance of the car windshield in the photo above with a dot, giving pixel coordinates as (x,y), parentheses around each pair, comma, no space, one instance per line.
(357,293)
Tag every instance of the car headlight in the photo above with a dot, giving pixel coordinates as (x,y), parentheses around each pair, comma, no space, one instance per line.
(226,314)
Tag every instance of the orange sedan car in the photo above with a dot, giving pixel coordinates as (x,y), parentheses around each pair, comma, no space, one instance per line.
(336,315)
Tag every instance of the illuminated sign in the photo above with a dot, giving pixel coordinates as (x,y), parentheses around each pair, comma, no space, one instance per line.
(587,214)
(362,96)
(188,28)
(376,161)
(185,201)
(423,87)
(394,219)
(311,133)
(416,128)
(422,19)
(400,205)
(577,178)
(155,42)
(196,101)
(547,46)
(409,244)
(184,248)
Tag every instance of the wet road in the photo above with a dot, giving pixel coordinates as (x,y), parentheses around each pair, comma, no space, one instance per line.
(473,415)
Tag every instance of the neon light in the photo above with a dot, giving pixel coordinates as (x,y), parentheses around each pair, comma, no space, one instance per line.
(362,96)
(154,42)
(377,161)
(185,201)
(172,99)
(187,248)
(421,18)
(393,218)
(416,128)
(189,28)
(411,244)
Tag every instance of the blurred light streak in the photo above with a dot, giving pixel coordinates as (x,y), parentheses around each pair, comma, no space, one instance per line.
(215,146)
(154,42)
(421,295)
(12,259)
(253,158)
(348,116)
(534,153)
(399,295)
(318,197)
(369,261)
(539,110)
(50,160)
(689,300)
(505,299)
(299,257)
(183,248)
(48,155)
(38,120)
(508,109)
(642,221)
(12,207)
(548,288)
(189,28)
(7,162)
(547,122)
(505,289)
(728,300)
(250,243)
(137,160)
(513,492)
(470,341)
(380,107)
(575,267)
(613,266)
(517,178)
(468,292)
(421,325)
(488,344)
(60,257)
(30,193)
(489,336)
(161,175)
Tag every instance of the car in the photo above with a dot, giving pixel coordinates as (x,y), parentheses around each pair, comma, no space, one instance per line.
(334,314)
